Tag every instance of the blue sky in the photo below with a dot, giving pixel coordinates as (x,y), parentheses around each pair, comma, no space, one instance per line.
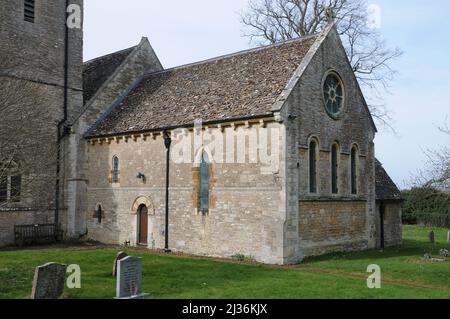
(187,31)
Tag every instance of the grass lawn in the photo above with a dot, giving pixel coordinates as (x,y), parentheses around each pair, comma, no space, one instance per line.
(405,274)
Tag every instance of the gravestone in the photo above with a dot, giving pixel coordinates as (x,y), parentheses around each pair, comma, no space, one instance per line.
(448,237)
(431,237)
(120,255)
(129,278)
(48,282)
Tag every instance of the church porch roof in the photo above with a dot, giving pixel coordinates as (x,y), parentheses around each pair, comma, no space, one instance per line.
(385,188)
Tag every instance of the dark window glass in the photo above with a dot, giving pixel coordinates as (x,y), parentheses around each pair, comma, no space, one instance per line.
(115,171)
(16,185)
(333,93)
(3,189)
(353,172)
(99,214)
(313,167)
(204,184)
(28,12)
(334,169)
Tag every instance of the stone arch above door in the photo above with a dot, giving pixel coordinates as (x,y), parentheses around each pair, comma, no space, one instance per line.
(143,200)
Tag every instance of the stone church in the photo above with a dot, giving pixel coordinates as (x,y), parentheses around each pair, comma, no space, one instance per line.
(272,153)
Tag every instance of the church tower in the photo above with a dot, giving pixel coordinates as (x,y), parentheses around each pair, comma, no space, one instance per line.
(41,63)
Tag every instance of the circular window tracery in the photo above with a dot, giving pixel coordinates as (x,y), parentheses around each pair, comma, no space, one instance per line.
(333,94)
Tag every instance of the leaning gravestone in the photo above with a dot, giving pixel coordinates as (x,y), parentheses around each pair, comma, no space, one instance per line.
(48,282)
(129,278)
(120,255)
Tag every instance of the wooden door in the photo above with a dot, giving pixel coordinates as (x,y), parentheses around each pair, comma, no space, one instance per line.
(143,224)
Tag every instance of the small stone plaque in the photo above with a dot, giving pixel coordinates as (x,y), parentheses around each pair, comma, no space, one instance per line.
(48,282)
(129,278)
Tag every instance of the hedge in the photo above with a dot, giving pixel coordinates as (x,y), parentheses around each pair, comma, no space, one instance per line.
(427,206)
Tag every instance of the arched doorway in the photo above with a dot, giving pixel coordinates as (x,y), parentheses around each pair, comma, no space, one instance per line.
(143,225)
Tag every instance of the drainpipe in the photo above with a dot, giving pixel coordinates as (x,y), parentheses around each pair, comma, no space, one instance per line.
(61,129)
(167,143)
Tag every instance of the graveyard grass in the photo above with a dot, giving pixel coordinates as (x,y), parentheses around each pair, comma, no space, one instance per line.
(405,274)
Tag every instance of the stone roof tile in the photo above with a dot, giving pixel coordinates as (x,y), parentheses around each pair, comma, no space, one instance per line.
(241,85)
(97,71)
(385,188)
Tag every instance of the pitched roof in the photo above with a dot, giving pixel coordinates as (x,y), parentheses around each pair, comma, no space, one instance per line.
(98,70)
(242,85)
(385,188)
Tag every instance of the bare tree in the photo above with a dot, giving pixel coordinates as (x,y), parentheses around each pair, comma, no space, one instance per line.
(27,147)
(437,169)
(271,21)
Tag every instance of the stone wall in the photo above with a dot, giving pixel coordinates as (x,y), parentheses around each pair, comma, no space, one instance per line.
(306,117)
(29,133)
(392,223)
(35,51)
(8,219)
(332,226)
(272,217)
(244,217)
(32,62)
(141,60)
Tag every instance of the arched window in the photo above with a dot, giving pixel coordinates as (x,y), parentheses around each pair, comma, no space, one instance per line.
(115,170)
(99,213)
(334,168)
(353,169)
(16,187)
(333,94)
(3,187)
(313,166)
(204,183)
(10,183)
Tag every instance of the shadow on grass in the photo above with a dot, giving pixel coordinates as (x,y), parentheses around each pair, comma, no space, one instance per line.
(410,247)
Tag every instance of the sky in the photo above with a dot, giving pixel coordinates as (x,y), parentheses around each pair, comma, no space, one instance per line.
(183,32)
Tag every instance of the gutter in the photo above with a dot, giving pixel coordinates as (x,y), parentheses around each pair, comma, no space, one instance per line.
(265,116)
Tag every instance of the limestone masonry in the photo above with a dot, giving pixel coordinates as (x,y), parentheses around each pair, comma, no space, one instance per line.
(272,148)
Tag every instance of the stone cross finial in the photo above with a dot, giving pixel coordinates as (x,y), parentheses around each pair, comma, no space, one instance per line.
(330,16)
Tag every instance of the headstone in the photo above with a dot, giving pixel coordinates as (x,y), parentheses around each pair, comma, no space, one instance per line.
(48,282)
(431,237)
(129,278)
(120,255)
(448,237)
